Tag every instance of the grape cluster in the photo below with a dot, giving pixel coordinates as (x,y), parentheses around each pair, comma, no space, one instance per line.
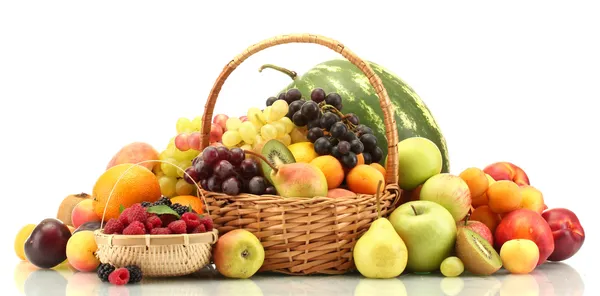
(219,169)
(307,112)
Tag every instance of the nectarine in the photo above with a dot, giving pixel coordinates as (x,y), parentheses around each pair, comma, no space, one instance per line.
(507,171)
(134,153)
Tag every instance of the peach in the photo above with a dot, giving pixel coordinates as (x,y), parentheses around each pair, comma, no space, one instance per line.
(532,198)
(484,215)
(507,171)
(84,212)
(526,224)
(519,256)
(340,192)
(504,196)
(134,153)
(81,251)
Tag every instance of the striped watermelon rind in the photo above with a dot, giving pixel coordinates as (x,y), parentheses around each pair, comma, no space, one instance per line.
(413,117)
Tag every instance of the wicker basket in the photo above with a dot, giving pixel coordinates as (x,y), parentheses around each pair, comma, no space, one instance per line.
(304,236)
(157,255)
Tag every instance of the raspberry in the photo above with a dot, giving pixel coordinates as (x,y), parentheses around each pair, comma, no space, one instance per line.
(136,213)
(153,222)
(113,226)
(167,219)
(191,221)
(104,270)
(135,273)
(123,217)
(208,222)
(136,227)
(119,277)
(199,229)
(178,227)
(160,230)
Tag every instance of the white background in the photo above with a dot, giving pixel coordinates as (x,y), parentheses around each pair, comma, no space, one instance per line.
(515,81)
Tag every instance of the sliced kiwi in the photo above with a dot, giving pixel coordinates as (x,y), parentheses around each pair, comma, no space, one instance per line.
(476,253)
(277,153)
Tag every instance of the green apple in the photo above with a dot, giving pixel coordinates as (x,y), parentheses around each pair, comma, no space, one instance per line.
(238,254)
(418,159)
(429,232)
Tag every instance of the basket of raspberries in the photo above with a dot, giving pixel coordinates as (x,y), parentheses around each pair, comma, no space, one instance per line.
(162,239)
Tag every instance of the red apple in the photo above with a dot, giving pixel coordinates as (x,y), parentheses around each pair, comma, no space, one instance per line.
(478,227)
(526,224)
(567,231)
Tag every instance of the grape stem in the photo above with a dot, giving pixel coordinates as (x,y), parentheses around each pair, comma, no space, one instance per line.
(290,73)
(262,158)
(334,110)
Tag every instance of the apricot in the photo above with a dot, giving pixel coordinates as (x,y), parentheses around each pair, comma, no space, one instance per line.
(364,179)
(379,167)
(485,215)
(21,237)
(81,249)
(84,212)
(476,180)
(519,256)
(134,153)
(478,201)
(504,196)
(332,168)
(532,198)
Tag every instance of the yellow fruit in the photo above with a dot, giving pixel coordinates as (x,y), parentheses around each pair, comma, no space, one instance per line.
(20,239)
(135,184)
(303,151)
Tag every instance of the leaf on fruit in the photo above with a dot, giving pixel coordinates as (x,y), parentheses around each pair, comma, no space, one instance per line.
(162,210)
(121,209)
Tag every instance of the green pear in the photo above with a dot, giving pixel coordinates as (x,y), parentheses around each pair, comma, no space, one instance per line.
(380,252)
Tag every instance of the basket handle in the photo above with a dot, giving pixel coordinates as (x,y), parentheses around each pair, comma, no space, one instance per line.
(391,130)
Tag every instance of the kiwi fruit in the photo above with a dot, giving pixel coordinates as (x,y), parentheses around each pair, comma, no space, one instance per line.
(476,253)
(277,154)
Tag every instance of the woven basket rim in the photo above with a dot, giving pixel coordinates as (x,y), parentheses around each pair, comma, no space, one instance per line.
(148,240)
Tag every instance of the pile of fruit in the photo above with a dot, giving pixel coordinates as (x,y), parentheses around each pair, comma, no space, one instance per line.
(311,142)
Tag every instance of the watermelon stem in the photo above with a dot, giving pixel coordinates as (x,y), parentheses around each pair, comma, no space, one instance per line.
(283,70)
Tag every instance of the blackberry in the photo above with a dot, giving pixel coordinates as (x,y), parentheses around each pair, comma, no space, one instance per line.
(104,271)
(146,204)
(135,273)
(163,201)
(180,209)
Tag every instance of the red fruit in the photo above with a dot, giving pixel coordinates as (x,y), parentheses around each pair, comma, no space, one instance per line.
(221,119)
(113,226)
(191,221)
(123,217)
(136,213)
(216,132)
(567,232)
(178,227)
(207,222)
(479,228)
(526,224)
(153,222)
(119,276)
(160,230)
(135,228)
(167,219)
(199,229)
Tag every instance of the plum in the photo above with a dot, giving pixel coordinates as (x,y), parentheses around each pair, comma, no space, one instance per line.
(47,244)
(93,225)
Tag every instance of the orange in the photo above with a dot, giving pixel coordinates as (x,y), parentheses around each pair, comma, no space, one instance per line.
(360,159)
(132,184)
(20,239)
(331,168)
(379,167)
(191,201)
(364,179)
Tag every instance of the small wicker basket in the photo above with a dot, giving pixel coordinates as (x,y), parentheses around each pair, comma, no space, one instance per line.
(305,236)
(157,255)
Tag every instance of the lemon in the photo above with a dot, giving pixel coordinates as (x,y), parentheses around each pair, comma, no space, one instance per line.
(303,151)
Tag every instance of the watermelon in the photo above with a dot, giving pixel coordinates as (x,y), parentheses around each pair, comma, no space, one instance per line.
(413,117)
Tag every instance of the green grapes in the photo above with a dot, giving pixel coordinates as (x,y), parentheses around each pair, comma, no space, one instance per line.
(268,132)
(289,125)
(452,267)
(278,110)
(233,123)
(247,132)
(183,125)
(280,128)
(167,185)
(197,123)
(231,138)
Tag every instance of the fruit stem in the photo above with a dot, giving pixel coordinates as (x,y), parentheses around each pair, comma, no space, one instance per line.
(290,73)
(326,107)
(414,210)
(467,217)
(262,158)
(377,197)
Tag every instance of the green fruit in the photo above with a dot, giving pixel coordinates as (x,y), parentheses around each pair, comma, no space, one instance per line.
(476,253)
(418,160)
(277,154)
(452,266)
(429,232)
(413,117)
